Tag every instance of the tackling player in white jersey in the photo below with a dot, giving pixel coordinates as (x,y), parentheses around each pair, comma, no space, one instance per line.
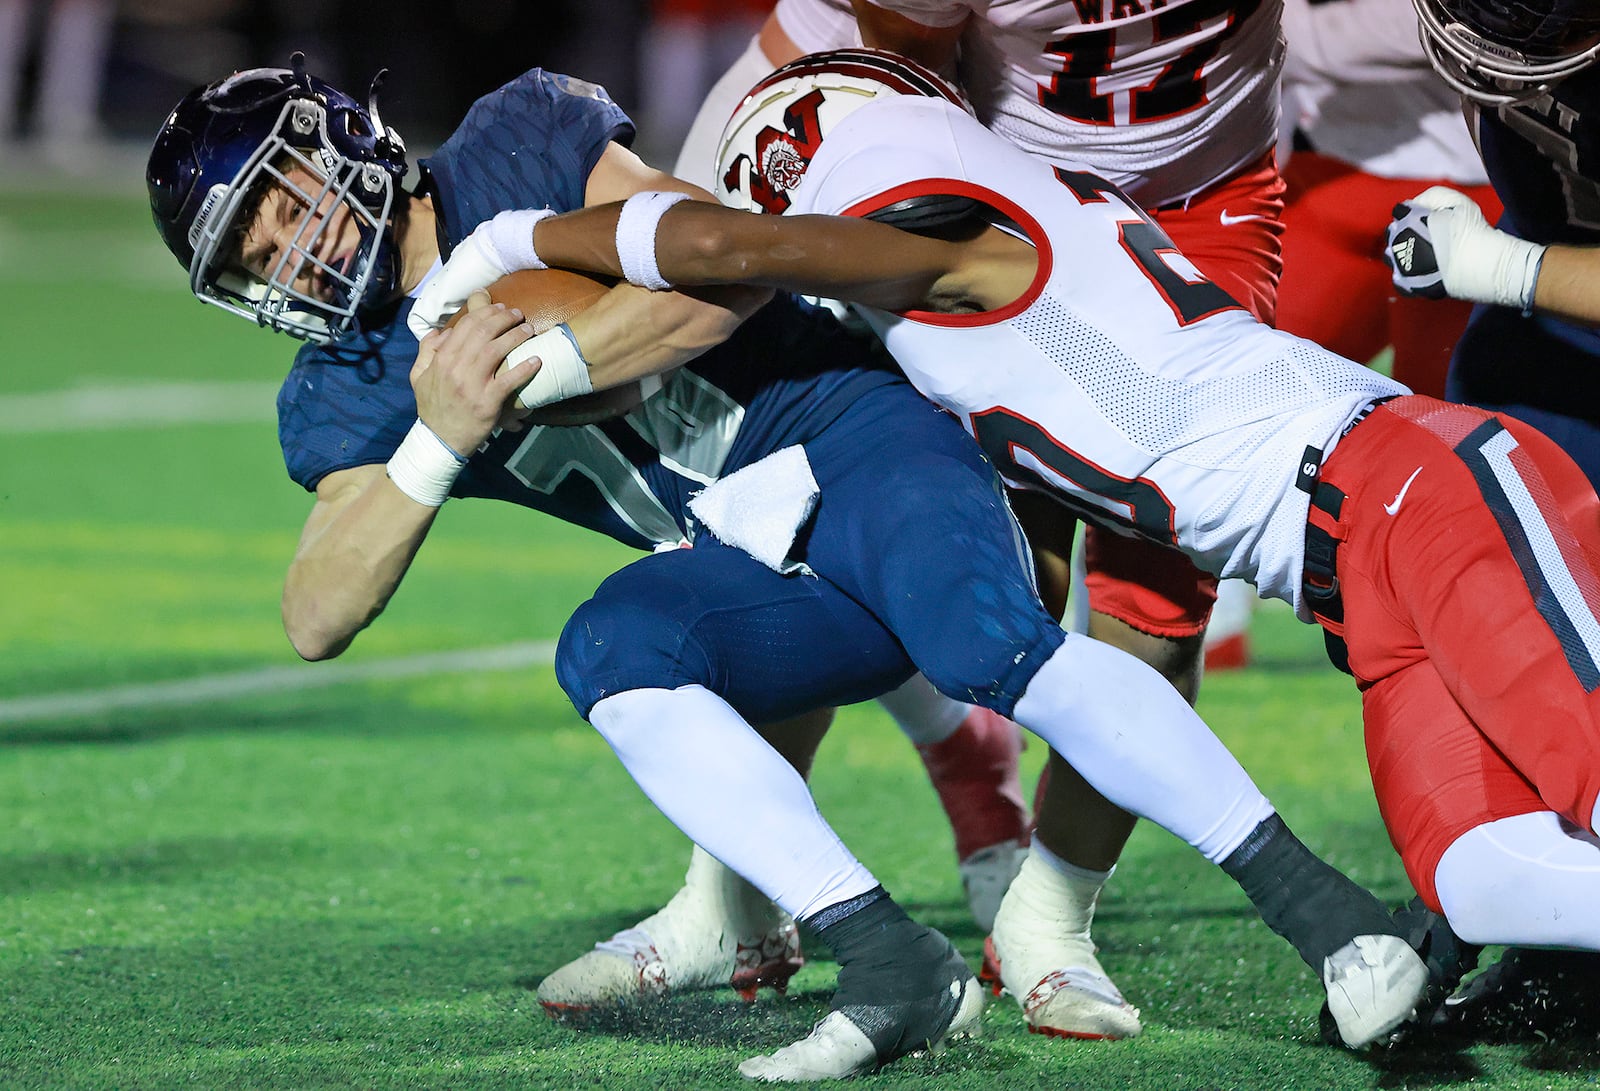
(1177,103)
(1450,553)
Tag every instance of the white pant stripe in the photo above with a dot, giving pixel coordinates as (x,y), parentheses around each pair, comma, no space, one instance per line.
(1552,565)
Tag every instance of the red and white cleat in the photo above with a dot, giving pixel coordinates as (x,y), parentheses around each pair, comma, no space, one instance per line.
(1067,1002)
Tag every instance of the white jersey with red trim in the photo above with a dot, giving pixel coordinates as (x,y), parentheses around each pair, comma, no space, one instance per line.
(1122,380)
(1164,98)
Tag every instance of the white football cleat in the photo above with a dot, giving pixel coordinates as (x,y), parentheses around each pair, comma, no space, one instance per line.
(1075,999)
(1374,984)
(986,876)
(716,932)
(1041,953)
(837,1049)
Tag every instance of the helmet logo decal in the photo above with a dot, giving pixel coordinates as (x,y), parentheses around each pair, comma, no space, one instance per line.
(782,155)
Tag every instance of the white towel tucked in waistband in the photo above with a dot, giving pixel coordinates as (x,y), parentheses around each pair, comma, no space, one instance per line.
(761,507)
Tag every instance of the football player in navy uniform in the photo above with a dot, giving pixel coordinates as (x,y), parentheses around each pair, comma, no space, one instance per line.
(280,196)
(1526,74)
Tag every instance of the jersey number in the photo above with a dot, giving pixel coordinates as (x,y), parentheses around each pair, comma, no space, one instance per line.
(1088,55)
(1190,295)
(1133,503)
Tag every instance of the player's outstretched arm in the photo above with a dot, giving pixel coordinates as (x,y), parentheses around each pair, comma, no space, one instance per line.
(839,257)
(627,333)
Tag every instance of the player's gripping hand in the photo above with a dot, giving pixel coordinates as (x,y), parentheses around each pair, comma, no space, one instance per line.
(500,245)
(462,390)
(1439,244)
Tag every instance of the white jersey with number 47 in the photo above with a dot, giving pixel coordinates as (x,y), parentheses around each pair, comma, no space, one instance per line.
(1122,380)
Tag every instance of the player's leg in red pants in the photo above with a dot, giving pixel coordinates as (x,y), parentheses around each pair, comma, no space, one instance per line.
(1471,549)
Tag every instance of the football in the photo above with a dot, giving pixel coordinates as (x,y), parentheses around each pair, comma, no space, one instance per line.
(549,297)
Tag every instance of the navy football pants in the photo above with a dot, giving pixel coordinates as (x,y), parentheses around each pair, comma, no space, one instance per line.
(919,566)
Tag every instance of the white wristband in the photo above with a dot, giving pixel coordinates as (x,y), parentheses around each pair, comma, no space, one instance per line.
(636,237)
(563,372)
(425,466)
(511,235)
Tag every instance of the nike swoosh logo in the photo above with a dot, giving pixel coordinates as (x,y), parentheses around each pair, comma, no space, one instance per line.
(1228,220)
(1393,507)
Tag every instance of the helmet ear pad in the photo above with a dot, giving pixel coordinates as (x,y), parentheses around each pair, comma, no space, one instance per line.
(226,141)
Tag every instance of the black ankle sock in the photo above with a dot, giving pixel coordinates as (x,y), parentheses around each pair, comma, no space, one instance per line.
(895,975)
(1306,901)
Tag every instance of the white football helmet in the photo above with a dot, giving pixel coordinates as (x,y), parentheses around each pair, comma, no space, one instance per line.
(1497,52)
(769,141)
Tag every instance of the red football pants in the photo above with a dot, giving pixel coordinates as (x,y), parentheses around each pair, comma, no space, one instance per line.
(1467,564)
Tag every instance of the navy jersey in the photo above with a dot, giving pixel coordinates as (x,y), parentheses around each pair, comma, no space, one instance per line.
(783,376)
(1543,159)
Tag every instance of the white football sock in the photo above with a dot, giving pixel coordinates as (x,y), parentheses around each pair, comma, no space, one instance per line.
(1129,733)
(731,793)
(1061,893)
(1531,880)
(925,715)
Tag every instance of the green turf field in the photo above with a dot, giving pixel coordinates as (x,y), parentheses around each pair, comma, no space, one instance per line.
(311,876)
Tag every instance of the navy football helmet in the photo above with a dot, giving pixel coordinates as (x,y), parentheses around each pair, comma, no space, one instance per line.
(1497,52)
(220,150)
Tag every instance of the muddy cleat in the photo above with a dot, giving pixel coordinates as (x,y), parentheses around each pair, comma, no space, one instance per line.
(1041,954)
(902,989)
(1374,985)
(986,876)
(716,932)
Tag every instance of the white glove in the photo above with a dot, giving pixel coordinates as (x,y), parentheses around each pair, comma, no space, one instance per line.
(500,245)
(1440,245)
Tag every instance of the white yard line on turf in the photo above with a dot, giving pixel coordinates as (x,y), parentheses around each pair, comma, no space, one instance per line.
(225,687)
(96,408)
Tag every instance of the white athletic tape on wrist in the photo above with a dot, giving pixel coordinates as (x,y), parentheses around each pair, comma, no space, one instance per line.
(563,372)
(425,466)
(1490,266)
(1479,262)
(510,233)
(636,237)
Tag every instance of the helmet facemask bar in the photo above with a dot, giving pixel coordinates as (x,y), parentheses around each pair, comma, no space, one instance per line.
(276,302)
(1486,71)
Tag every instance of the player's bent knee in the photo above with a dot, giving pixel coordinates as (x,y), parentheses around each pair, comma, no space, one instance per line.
(611,645)
(989,669)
